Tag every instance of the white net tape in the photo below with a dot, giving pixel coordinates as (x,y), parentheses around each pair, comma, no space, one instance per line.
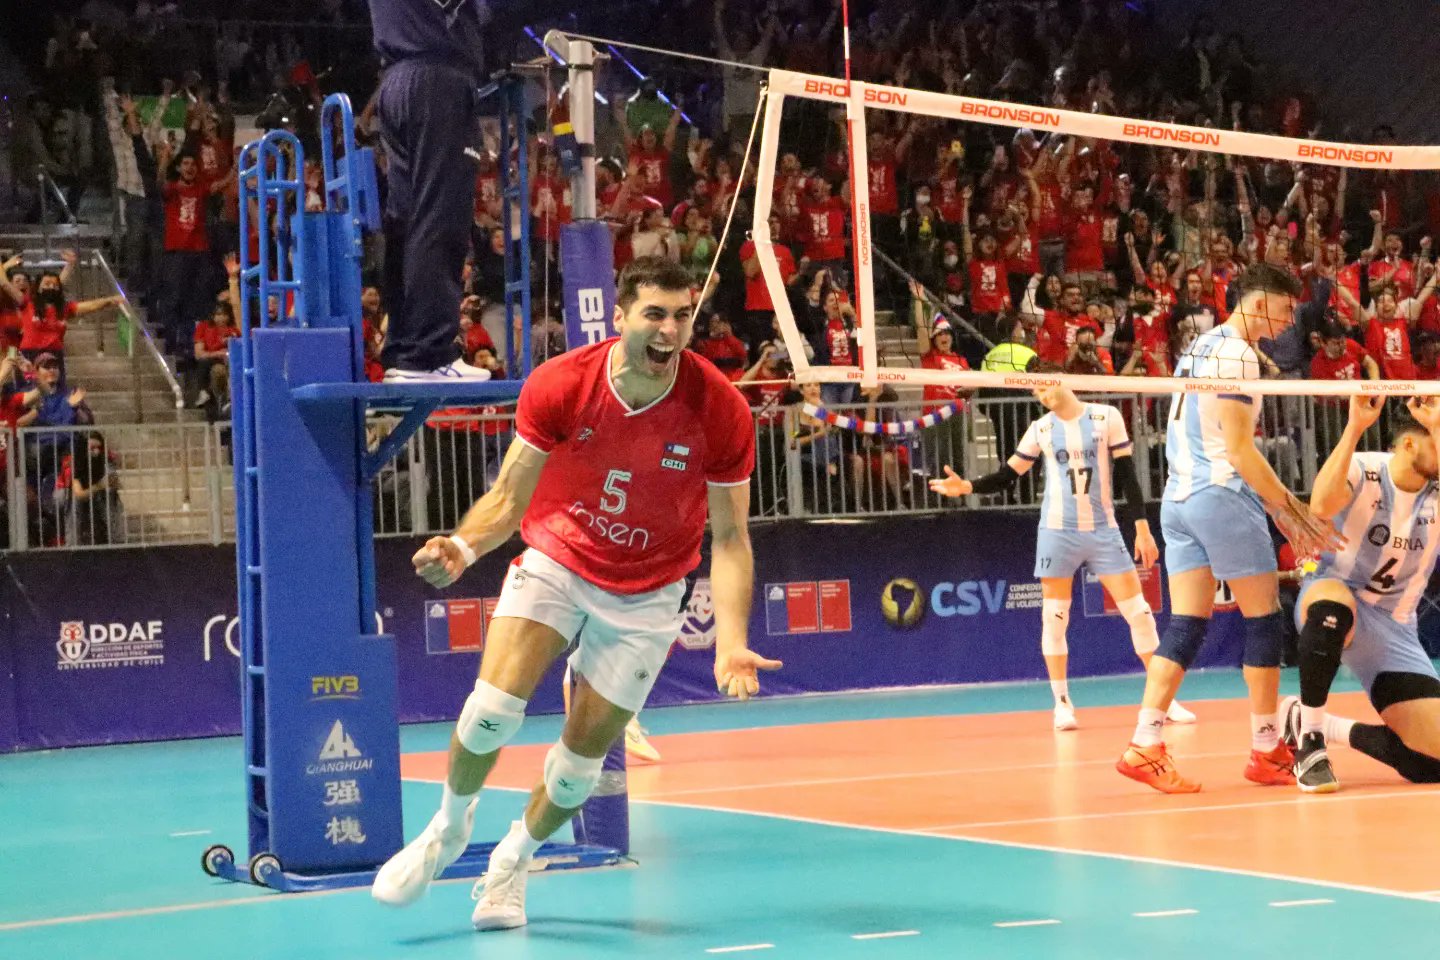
(857,97)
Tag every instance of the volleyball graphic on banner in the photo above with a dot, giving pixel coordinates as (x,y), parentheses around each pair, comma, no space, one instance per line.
(902,603)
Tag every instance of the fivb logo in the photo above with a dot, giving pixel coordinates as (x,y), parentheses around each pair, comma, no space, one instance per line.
(591,303)
(339,755)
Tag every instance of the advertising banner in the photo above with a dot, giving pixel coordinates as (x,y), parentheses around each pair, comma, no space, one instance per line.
(116,646)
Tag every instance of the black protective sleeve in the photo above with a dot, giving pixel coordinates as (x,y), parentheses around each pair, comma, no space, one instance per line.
(1001,479)
(1128,485)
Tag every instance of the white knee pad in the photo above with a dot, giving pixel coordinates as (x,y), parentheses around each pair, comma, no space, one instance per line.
(1143,634)
(1055,620)
(489,718)
(569,777)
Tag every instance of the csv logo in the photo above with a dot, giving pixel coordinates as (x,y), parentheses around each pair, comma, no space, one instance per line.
(344,687)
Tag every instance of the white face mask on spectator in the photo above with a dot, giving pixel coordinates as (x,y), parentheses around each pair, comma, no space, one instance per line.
(951,260)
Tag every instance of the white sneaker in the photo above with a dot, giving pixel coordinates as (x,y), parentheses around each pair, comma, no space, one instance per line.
(501,892)
(406,876)
(459,370)
(635,743)
(1178,714)
(1065,717)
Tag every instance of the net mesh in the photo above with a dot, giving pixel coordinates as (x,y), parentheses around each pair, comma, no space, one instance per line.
(1109,254)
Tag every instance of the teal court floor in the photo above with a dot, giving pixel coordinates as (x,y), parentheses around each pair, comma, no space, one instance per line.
(100,854)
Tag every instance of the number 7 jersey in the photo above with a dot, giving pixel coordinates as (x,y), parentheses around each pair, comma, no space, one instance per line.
(621,501)
(1390,552)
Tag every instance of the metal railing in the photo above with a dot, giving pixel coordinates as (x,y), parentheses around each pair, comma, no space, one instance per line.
(804,468)
(137,329)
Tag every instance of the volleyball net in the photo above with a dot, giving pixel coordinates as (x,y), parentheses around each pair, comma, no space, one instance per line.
(1099,245)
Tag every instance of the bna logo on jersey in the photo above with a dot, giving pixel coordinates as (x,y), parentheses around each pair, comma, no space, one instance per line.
(697,626)
(1379,535)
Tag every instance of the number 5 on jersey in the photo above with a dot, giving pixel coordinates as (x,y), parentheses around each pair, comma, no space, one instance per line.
(614,499)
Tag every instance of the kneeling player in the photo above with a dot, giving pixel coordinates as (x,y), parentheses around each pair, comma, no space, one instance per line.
(1087,454)
(1359,606)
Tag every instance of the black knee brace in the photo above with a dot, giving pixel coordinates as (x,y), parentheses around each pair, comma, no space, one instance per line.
(1322,641)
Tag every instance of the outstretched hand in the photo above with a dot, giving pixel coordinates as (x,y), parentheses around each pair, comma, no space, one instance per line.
(952,485)
(737,672)
(1307,533)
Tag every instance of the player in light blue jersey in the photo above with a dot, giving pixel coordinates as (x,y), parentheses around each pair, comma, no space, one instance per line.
(1212,518)
(1359,606)
(1086,453)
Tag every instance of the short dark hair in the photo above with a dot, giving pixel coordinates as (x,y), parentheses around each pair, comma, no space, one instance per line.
(1406,427)
(1268,278)
(660,272)
(1044,366)
(1067,285)
(1332,331)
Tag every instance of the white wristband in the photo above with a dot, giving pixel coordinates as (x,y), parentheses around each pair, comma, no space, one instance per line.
(465,551)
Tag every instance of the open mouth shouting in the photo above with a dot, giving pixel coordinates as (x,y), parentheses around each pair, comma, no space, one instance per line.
(659,355)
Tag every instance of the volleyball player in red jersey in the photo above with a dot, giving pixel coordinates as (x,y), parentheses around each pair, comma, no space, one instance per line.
(621,449)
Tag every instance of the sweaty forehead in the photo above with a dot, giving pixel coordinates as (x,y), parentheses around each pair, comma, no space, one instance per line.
(653,300)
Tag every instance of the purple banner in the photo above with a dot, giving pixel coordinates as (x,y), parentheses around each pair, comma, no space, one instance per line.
(116,646)
(587,267)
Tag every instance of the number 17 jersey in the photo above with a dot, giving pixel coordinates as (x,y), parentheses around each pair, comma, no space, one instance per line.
(1391,540)
(621,501)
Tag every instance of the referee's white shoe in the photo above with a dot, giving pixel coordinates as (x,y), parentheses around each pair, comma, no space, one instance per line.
(456,370)
(406,876)
(1178,714)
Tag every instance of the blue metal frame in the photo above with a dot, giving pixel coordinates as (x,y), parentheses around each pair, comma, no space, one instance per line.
(307,583)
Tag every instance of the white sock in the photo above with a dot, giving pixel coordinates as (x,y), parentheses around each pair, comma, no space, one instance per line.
(1337,729)
(1148,732)
(1264,731)
(1312,719)
(452,806)
(1061,690)
(517,845)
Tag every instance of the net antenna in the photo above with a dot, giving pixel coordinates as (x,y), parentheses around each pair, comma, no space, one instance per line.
(857,96)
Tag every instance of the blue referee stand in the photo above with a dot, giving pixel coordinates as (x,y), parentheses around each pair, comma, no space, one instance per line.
(319,680)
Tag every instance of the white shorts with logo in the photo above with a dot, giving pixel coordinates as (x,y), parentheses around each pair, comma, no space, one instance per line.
(623,639)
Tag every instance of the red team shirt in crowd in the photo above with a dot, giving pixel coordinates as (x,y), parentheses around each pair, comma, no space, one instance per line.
(757,294)
(949,200)
(1389,344)
(884,194)
(12,321)
(937,396)
(1398,272)
(1057,334)
(621,502)
(185,216)
(212,337)
(1350,366)
(1026,257)
(45,330)
(654,166)
(487,191)
(838,341)
(545,190)
(989,288)
(825,229)
(1152,339)
(1084,247)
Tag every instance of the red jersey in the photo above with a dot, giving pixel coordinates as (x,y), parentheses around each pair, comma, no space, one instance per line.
(213,159)
(728,353)
(1398,272)
(989,290)
(884,194)
(12,321)
(1152,339)
(487,191)
(837,340)
(477,337)
(550,200)
(1350,366)
(1057,334)
(949,201)
(1084,247)
(825,229)
(45,329)
(937,396)
(212,336)
(1389,343)
(185,216)
(757,294)
(1051,225)
(621,502)
(1026,258)
(768,399)
(1349,277)
(654,167)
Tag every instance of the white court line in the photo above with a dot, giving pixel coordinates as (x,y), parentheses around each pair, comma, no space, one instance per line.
(192,833)
(1166,913)
(885,936)
(1050,848)
(748,946)
(1169,811)
(1300,903)
(1025,923)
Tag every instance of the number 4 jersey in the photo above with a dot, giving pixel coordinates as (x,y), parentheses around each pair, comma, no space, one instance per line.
(621,501)
(1391,539)
(1078,458)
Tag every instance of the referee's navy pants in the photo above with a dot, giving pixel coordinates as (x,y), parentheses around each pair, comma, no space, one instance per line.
(428,116)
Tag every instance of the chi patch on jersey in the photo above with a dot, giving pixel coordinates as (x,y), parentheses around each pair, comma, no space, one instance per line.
(676,457)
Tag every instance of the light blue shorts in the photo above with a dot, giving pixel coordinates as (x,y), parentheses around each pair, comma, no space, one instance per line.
(1059,553)
(1218,528)
(1381,644)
